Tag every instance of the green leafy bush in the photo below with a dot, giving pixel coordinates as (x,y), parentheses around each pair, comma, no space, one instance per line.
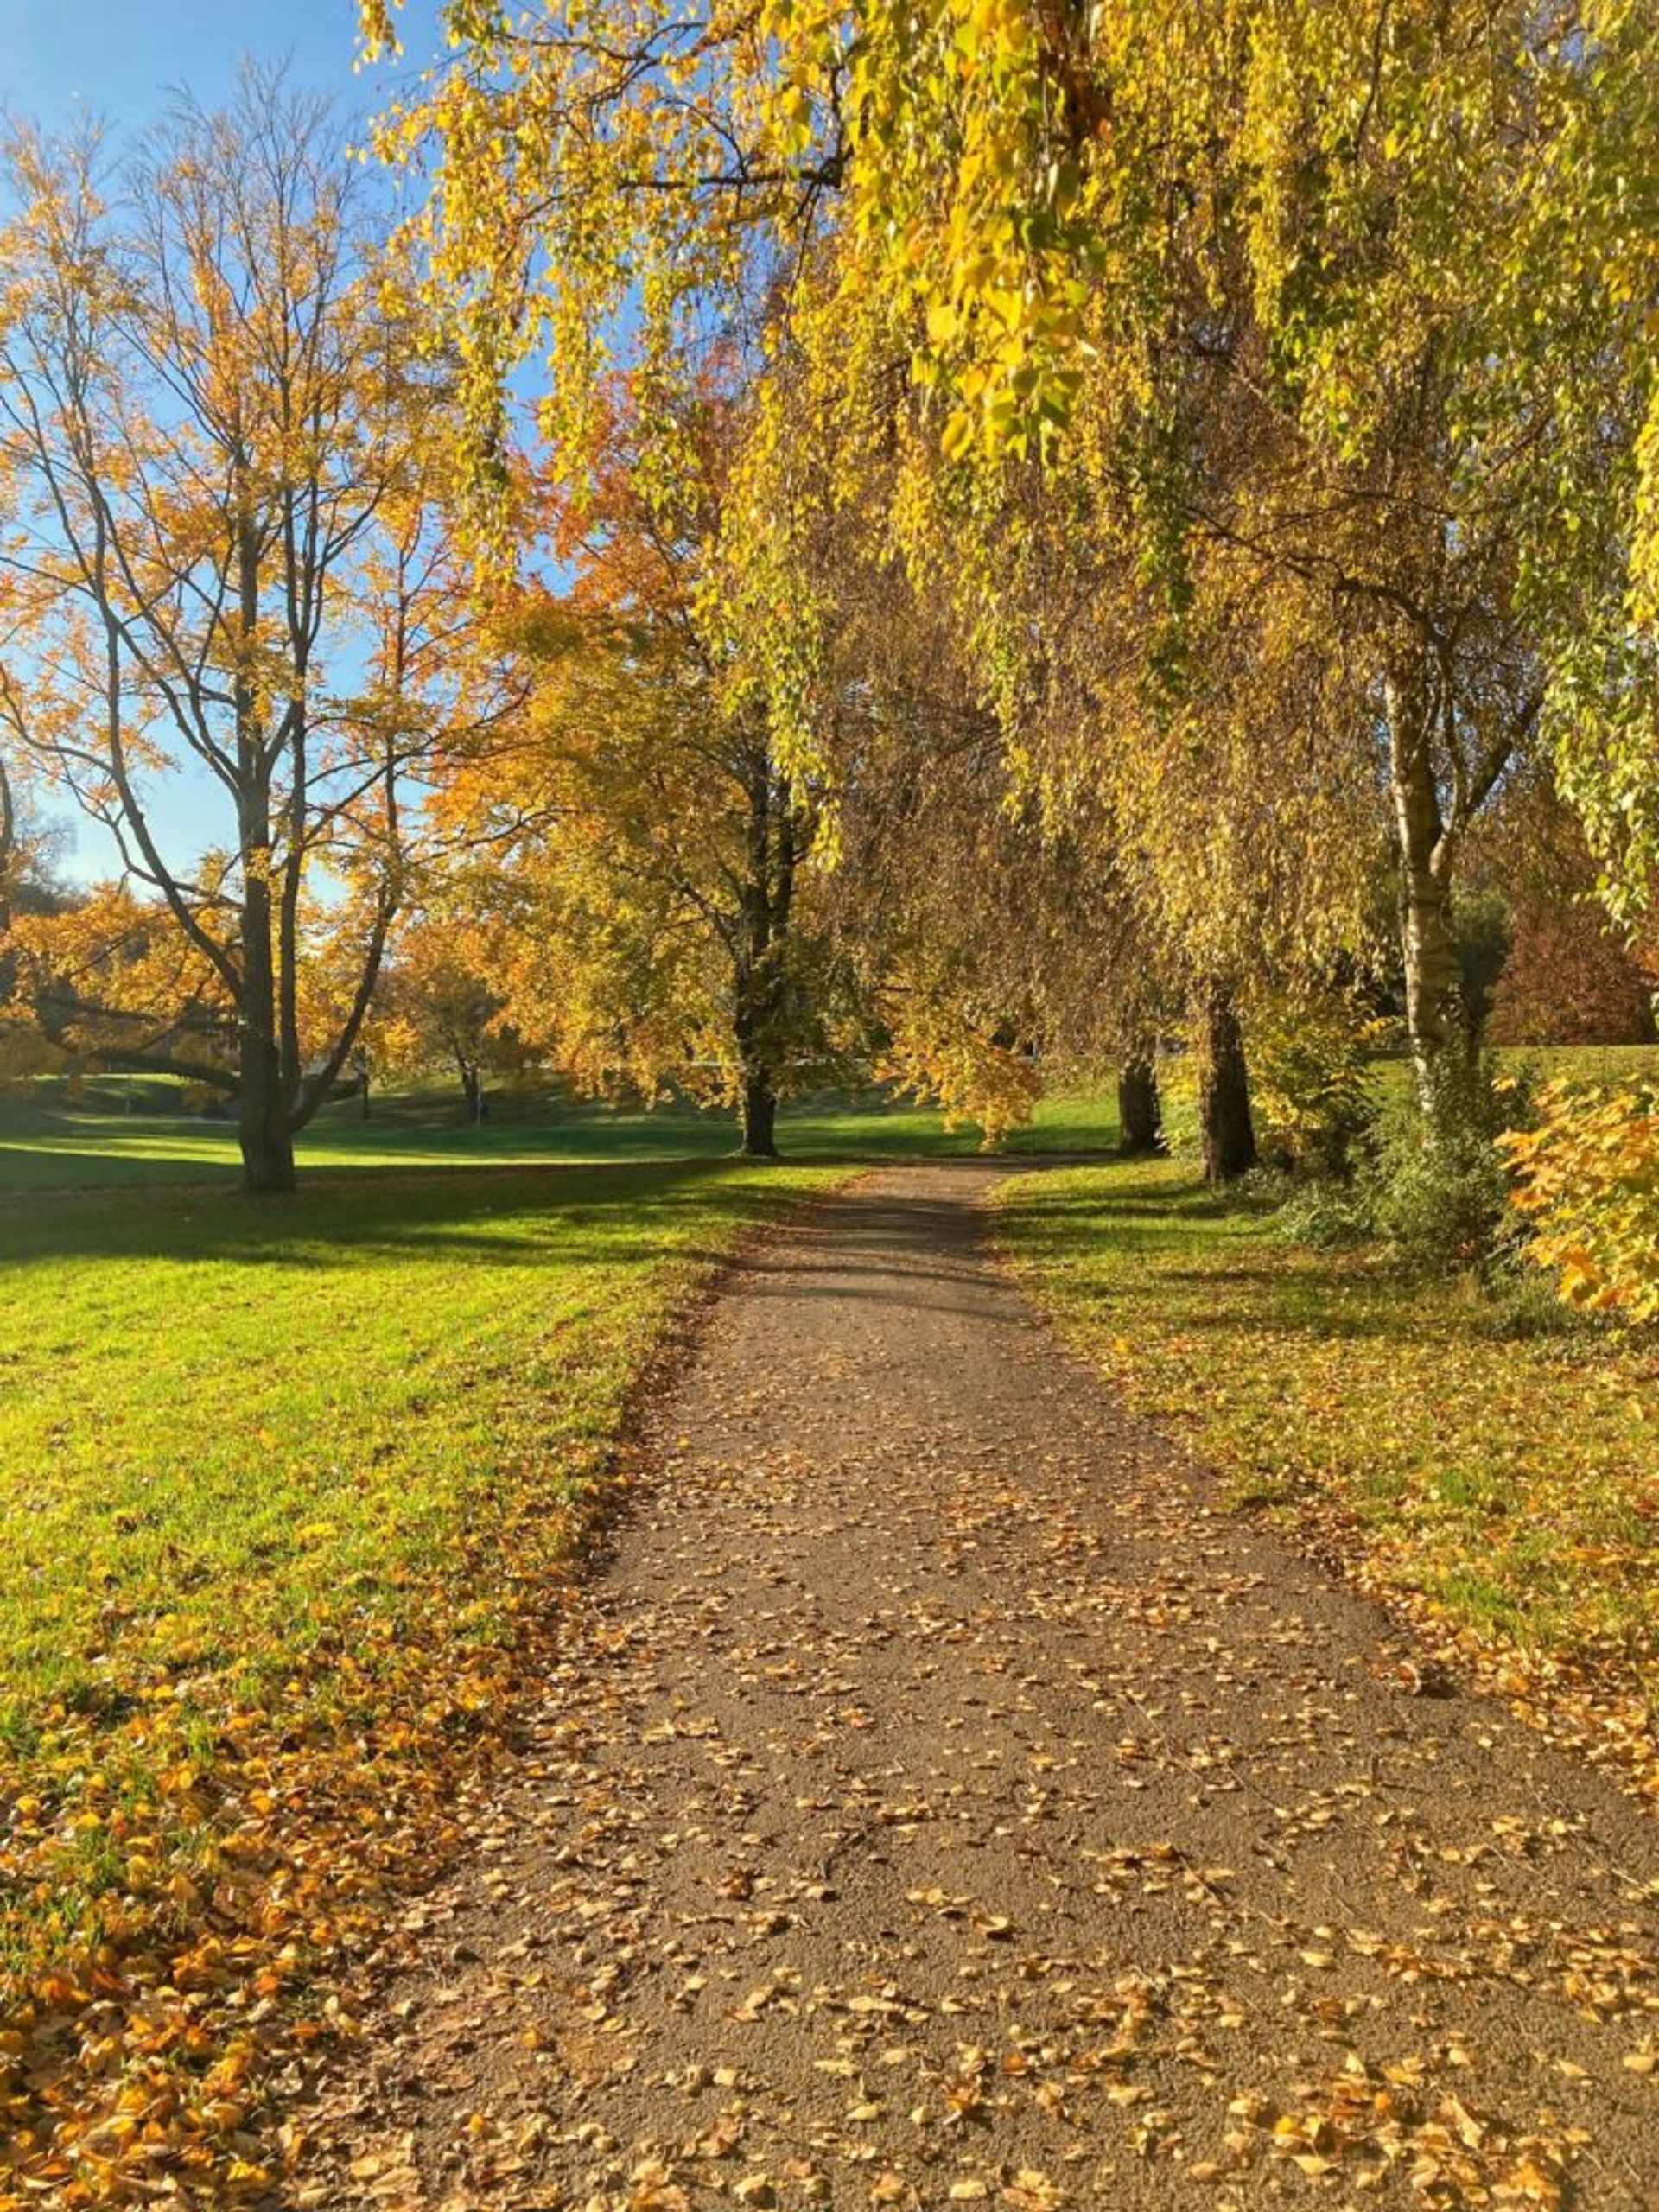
(1436,1186)
(1327,1214)
(1431,1184)
(1311,1080)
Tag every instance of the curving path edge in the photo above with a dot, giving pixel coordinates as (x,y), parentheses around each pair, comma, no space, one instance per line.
(941,1799)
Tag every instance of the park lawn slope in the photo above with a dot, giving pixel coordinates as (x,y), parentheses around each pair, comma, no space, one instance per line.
(51,1143)
(287,1490)
(1494,1466)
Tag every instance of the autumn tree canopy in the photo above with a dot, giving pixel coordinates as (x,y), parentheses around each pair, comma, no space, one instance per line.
(659,846)
(224,560)
(1063,527)
(1337,318)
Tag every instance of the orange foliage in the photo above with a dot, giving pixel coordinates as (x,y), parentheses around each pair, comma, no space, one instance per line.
(111,981)
(1587,1180)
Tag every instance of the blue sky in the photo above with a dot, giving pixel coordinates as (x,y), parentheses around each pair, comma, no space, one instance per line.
(121,59)
(121,56)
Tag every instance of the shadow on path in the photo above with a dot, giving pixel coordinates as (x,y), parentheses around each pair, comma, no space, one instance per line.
(942,1801)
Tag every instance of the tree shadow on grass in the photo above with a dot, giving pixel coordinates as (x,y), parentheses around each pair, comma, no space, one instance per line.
(1160,1227)
(469,1210)
(609,1214)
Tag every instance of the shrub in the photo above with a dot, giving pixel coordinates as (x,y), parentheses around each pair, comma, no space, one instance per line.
(1587,1184)
(1327,1215)
(1310,1081)
(1436,1186)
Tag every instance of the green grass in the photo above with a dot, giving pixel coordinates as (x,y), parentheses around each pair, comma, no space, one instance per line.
(287,1488)
(112,1131)
(52,1141)
(218,1415)
(1490,1457)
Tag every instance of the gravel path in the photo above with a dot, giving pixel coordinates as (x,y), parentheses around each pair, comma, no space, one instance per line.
(941,1799)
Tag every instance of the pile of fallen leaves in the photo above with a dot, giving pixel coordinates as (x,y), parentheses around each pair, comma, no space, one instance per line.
(187,1900)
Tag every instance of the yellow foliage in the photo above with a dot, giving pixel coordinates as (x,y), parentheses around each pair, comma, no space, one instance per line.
(941,1049)
(1587,1180)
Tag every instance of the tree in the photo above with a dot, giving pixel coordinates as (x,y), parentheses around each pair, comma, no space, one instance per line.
(654,841)
(442,1002)
(26,889)
(1567,979)
(1139,1109)
(10,844)
(1296,396)
(1260,278)
(108,979)
(1574,270)
(26,847)
(225,560)
(984,915)
(1569,975)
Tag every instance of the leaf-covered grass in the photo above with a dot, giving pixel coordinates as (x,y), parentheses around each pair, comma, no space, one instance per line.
(1487,1458)
(285,1487)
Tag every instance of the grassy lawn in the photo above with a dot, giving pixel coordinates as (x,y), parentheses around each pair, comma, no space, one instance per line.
(1495,1464)
(285,1489)
(52,1142)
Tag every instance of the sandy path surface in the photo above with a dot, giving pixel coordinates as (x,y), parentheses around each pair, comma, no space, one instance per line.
(941,1799)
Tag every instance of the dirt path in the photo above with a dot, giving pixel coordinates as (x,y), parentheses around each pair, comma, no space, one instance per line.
(940,1803)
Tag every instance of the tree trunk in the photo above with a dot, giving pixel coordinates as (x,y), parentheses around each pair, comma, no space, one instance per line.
(758,979)
(1140,1112)
(471,1085)
(760,1118)
(1224,1124)
(1434,1008)
(267,1098)
(8,857)
(267,1138)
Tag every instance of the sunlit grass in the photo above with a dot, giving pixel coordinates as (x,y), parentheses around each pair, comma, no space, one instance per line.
(281,1483)
(217,1418)
(295,1474)
(1499,1459)
(54,1142)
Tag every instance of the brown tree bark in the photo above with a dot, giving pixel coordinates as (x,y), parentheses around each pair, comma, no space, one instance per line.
(1140,1111)
(760,1120)
(759,975)
(1435,1009)
(7,845)
(266,1139)
(1226,1130)
(471,1087)
(266,1130)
